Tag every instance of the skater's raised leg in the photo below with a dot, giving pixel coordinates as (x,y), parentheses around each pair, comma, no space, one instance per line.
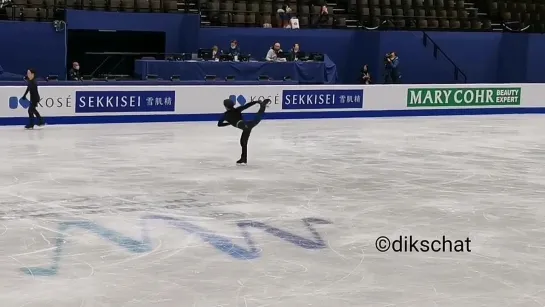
(258,116)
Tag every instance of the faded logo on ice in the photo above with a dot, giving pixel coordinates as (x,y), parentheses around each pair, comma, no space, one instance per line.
(223,244)
(125,101)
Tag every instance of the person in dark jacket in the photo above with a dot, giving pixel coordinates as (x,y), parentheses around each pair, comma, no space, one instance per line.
(365,75)
(233,116)
(234,49)
(284,13)
(295,53)
(74,74)
(392,73)
(32,89)
(324,15)
(215,53)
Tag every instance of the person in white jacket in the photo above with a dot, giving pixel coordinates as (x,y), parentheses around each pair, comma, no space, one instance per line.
(272,55)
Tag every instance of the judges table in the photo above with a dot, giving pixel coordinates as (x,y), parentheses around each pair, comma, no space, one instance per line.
(301,72)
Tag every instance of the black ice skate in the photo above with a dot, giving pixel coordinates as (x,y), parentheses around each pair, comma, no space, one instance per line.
(29,127)
(42,123)
(242,161)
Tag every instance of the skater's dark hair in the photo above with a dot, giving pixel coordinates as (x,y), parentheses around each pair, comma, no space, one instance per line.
(32,71)
(228,103)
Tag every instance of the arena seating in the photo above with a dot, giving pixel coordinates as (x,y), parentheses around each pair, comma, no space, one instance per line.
(522,13)
(46,9)
(479,15)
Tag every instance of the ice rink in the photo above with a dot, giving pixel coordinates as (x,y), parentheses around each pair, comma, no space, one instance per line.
(158,215)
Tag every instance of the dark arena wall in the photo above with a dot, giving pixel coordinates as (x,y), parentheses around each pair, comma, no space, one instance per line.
(483,57)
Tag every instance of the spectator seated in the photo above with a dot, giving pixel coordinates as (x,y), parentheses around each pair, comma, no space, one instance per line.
(478,15)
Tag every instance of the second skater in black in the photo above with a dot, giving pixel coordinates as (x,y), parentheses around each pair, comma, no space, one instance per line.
(32,89)
(233,117)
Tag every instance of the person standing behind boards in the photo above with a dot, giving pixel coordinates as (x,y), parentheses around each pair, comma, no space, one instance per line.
(365,75)
(392,73)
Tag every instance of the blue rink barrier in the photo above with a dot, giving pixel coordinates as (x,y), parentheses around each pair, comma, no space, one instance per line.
(73,120)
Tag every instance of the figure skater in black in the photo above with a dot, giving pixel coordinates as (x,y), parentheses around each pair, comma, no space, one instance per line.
(233,117)
(32,88)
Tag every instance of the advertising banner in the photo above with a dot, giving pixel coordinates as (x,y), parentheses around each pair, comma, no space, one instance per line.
(87,100)
(322,99)
(125,101)
(245,94)
(463,97)
(293,98)
(115,102)
(56,102)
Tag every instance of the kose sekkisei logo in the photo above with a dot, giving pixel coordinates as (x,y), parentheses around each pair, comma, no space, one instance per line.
(463,97)
(45,102)
(125,101)
(243,99)
(322,99)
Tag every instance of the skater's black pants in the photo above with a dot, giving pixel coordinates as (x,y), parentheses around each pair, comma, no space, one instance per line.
(33,112)
(246,127)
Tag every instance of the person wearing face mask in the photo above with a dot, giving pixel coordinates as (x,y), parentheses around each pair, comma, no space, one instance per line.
(272,55)
(74,74)
(234,49)
(295,53)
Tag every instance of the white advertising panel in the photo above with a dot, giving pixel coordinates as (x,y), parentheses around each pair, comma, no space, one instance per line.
(289,101)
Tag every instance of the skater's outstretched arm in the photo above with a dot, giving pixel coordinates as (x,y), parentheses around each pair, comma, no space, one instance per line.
(248,105)
(221,122)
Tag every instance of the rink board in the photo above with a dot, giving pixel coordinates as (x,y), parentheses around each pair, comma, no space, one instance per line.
(68,104)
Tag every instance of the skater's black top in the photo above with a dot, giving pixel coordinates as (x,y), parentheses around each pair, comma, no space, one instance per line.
(234,116)
(32,88)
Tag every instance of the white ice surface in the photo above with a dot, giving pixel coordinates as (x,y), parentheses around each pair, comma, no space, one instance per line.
(476,177)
